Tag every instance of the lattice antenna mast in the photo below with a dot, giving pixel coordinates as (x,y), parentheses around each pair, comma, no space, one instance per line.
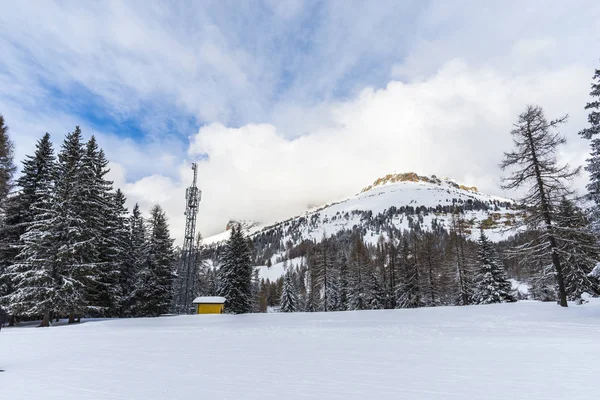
(188,253)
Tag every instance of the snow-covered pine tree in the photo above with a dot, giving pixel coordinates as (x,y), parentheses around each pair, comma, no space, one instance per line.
(157,292)
(119,241)
(333,293)
(343,280)
(579,250)
(100,220)
(289,297)
(236,274)
(18,211)
(593,162)
(536,168)
(359,267)
(38,283)
(492,284)
(76,252)
(409,291)
(322,265)
(137,261)
(376,294)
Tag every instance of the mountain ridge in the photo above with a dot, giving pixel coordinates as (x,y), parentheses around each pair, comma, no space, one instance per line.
(396,193)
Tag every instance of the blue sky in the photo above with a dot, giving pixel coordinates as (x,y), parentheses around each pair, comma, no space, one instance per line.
(257,90)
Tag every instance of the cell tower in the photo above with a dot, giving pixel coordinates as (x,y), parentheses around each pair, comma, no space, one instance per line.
(186,279)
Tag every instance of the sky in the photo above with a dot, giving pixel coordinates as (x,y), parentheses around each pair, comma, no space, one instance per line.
(291,104)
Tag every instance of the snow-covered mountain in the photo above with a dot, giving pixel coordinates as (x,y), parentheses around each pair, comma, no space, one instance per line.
(399,200)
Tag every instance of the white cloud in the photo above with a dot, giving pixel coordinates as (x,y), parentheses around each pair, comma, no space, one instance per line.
(456,124)
(303,102)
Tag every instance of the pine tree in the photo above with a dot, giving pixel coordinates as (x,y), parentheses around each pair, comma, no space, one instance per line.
(322,263)
(593,162)
(343,281)
(158,274)
(236,274)
(119,247)
(537,169)
(376,293)
(579,250)
(38,283)
(492,284)
(7,166)
(359,266)
(18,211)
(75,252)
(409,291)
(98,212)
(133,303)
(289,297)
(333,293)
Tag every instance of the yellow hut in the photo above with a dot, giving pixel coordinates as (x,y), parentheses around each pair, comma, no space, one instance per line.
(209,305)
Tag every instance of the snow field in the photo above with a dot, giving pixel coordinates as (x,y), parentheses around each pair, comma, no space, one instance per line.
(525,350)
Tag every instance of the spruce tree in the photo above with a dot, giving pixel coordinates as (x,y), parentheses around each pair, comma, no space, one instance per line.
(537,170)
(98,213)
(376,293)
(491,282)
(76,251)
(409,291)
(159,272)
(358,283)
(236,274)
(37,282)
(289,298)
(593,162)
(333,297)
(343,280)
(579,250)
(133,303)
(123,264)
(322,264)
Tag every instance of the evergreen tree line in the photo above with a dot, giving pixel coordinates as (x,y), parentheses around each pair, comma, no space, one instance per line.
(415,269)
(69,246)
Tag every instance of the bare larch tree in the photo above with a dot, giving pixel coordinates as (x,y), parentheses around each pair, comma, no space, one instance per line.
(536,169)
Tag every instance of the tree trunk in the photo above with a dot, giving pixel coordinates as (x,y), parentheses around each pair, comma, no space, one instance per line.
(11,320)
(71,318)
(562,293)
(45,320)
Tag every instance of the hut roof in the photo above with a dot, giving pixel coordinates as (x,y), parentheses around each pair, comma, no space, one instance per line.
(209,300)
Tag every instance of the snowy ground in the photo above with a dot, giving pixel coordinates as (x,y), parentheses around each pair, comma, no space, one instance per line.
(526,350)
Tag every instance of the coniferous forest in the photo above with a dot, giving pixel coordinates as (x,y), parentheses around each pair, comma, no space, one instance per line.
(69,247)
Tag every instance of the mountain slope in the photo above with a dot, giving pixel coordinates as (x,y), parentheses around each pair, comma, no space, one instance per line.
(402,201)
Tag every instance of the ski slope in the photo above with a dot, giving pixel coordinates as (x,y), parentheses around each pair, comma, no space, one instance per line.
(526,350)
